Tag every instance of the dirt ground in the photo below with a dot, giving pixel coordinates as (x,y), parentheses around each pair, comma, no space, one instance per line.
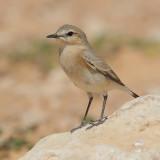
(36,97)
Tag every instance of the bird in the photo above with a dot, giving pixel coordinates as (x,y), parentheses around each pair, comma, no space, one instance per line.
(85,69)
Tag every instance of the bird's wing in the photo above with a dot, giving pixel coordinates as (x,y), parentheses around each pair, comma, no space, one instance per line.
(99,65)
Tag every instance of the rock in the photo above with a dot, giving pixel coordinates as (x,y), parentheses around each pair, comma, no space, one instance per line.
(131,133)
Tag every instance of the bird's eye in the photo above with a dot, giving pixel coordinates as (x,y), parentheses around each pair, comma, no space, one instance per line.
(70,33)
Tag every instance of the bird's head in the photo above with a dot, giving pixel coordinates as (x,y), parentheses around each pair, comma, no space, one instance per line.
(69,34)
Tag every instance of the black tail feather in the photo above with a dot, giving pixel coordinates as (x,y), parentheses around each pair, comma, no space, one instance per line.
(134,94)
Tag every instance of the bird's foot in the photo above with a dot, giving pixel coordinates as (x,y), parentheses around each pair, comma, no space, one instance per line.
(97,122)
(80,126)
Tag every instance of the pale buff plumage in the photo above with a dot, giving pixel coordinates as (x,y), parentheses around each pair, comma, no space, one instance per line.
(84,68)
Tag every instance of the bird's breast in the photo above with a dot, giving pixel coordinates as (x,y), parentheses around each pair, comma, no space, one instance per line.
(70,59)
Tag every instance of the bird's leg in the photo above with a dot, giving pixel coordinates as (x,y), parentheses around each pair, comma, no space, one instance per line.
(83,123)
(102,117)
(86,113)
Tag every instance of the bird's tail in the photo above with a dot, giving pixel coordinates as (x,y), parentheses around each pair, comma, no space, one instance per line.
(133,94)
(125,88)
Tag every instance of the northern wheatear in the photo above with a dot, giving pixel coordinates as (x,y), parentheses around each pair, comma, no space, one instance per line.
(85,69)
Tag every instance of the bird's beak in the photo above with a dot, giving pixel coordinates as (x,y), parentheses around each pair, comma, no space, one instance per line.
(52,36)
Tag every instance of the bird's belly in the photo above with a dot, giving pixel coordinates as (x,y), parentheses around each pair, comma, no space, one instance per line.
(93,84)
(89,81)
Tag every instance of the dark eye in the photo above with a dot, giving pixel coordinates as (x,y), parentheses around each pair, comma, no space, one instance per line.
(70,33)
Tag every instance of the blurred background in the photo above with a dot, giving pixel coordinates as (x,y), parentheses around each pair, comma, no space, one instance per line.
(36,97)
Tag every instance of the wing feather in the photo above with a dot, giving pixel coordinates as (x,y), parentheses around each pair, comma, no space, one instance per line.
(99,65)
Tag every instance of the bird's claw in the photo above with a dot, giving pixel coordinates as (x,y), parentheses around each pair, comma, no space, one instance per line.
(98,122)
(80,126)
(92,124)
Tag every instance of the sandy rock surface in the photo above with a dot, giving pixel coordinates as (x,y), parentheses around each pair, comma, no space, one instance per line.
(131,133)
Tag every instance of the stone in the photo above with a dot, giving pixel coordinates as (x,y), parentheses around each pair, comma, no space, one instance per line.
(130,133)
